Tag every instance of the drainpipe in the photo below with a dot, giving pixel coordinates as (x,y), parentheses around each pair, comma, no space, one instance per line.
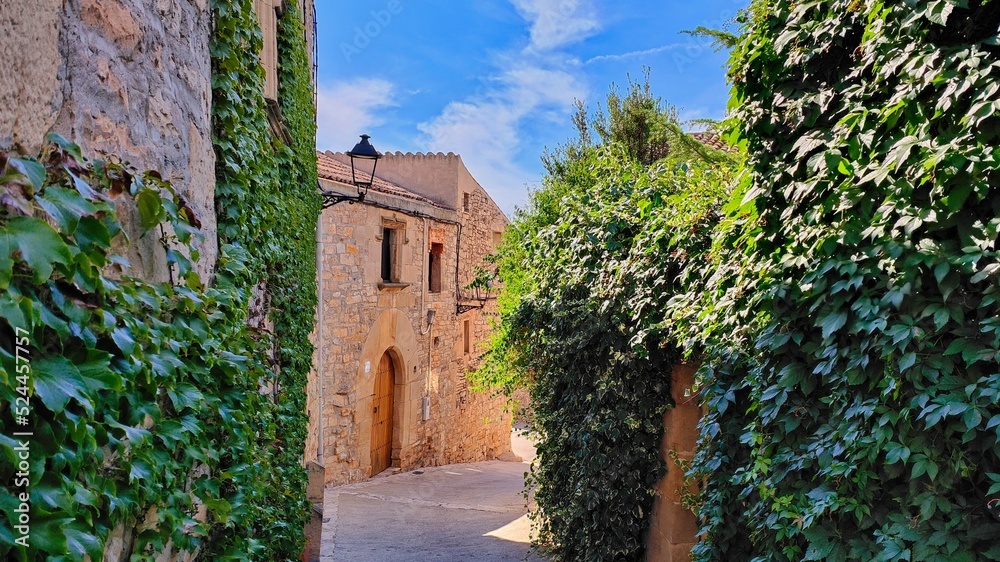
(425,402)
(423,290)
(319,339)
(458,263)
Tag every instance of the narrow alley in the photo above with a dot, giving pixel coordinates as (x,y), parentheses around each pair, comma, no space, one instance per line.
(471,511)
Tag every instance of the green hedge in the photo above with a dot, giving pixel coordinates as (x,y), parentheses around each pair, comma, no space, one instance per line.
(587,272)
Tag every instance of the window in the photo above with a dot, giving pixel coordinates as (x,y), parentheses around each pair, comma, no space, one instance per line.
(467,334)
(497,238)
(268,20)
(465,202)
(393,237)
(387,254)
(434,267)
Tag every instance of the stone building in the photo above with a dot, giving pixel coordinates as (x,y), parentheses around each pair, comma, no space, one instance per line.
(394,342)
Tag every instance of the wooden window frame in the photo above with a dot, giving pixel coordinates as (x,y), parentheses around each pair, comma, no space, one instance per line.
(267,17)
(392,238)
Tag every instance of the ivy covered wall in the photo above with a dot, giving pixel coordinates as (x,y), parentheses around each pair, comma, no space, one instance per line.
(587,271)
(267,202)
(844,303)
(150,434)
(853,385)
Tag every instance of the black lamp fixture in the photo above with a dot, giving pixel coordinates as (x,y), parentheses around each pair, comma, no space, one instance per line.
(362,154)
(481,287)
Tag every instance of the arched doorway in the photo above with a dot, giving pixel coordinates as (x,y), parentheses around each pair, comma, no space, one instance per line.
(385,380)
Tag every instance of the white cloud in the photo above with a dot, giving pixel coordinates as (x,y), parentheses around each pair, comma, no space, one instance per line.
(633,54)
(537,85)
(557,23)
(486,130)
(350,108)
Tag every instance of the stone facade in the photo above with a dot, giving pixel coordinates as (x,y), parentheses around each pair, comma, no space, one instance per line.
(130,78)
(437,418)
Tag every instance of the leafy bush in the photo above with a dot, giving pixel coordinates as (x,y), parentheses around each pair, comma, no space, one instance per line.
(587,271)
(855,349)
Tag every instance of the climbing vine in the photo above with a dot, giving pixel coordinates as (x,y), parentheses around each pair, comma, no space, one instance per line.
(267,202)
(148,416)
(853,355)
(140,396)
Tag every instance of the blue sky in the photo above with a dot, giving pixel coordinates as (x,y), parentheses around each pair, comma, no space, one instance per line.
(495,80)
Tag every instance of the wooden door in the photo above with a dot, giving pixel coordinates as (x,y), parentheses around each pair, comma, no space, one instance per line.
(385,380)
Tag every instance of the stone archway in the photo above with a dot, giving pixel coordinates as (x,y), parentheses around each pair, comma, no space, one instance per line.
(391,336)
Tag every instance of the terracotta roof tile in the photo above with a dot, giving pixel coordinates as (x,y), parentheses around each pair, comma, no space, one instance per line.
(712,140)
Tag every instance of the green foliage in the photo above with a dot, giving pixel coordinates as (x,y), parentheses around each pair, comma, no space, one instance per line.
(148,411)
(142,394)
(721,39)
(587,271)
(851,325)
(267,202)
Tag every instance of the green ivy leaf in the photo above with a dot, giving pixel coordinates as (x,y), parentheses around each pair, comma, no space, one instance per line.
(82,543)
(66,207)
(140,470)
(907,361)
(49,492)
(832,322)
(123,339)
(93,232)
(57,381)
(31,169)
(69,147)
(48,533)
(39,244)
(185,396)
(150,207)
(957,197)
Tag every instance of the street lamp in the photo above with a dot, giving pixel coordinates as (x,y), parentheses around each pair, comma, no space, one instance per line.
(360,155)
(481,287)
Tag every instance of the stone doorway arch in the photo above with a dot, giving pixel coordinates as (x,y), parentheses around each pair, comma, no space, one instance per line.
(382,414)
(391,335)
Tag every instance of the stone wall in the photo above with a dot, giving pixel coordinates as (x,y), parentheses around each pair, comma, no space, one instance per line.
(360,321)
(130,78)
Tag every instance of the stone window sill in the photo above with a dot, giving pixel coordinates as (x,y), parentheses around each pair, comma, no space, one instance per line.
(391,287)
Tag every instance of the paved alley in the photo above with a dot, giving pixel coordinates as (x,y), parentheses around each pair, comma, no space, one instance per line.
(457,512)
